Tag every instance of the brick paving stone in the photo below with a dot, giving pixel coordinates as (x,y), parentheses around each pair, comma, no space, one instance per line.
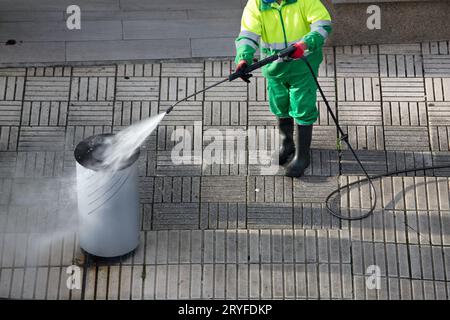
(224,113)
(218,68)
(94,71)
(356,65)
(266,247)
(177,88)
(436,65)
(45,113)
(397,160)
(174,69)
(10,112)
(365,137)
(137,88)
(357,49)
(262,143)
(5,191)
(186,113)
(446,257)
(128,112)
(358,89)
(405,289)
(435,47)
(8,138)
(328,87)
(138,70)
(269,215)
(402,89)
(437,89)
(312,279)
(327,68)
(323,163)
(11,88)
(13,72)
(28,283)
(269,189)
(224,151)
(48,71)
(444,217)
(90,113)
(324,118)
(229,91)
(441,159)
(166,167)
(181,140)
(399,138)
(47,89)
(324,137)
(176,189)
(401,65)
(300,275)
(257,89)
(404,114)
(259,114)
(441,291)
(359,113)
(222,215)
(92,88)
(438,114)
(401,48)
(39,164)
(167,216)
(41,138)
(313,188)
(314,216)
(374,162)
(113,283)
(394,288)
(41,283)
(439,138)
(225,189)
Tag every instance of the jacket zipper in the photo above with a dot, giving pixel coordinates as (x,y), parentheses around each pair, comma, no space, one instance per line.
(282,26)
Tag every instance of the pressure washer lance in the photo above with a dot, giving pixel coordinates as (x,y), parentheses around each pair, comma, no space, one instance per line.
(246,72)
(342,135)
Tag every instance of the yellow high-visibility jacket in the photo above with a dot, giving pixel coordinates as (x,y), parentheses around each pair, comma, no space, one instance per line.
(273,27)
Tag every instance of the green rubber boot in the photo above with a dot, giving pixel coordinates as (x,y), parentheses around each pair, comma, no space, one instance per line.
(301,159)
(287,147)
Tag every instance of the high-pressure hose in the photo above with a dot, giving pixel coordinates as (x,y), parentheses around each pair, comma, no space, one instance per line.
(342,135)
(368,178)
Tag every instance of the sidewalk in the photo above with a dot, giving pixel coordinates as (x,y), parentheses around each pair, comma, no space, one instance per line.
(226,231)
(118,30)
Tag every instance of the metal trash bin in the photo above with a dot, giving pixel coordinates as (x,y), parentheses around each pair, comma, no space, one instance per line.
(108,201)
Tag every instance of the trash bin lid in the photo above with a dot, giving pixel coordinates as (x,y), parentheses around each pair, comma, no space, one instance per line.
(89,153)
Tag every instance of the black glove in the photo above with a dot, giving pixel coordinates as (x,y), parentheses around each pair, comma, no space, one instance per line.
(242,65)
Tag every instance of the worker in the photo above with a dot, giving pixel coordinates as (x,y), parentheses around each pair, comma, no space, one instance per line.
(274,25)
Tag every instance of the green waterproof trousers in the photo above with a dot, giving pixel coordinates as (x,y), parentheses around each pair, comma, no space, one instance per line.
(294,94)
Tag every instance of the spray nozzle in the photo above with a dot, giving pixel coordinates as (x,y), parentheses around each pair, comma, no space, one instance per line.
(170,109)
